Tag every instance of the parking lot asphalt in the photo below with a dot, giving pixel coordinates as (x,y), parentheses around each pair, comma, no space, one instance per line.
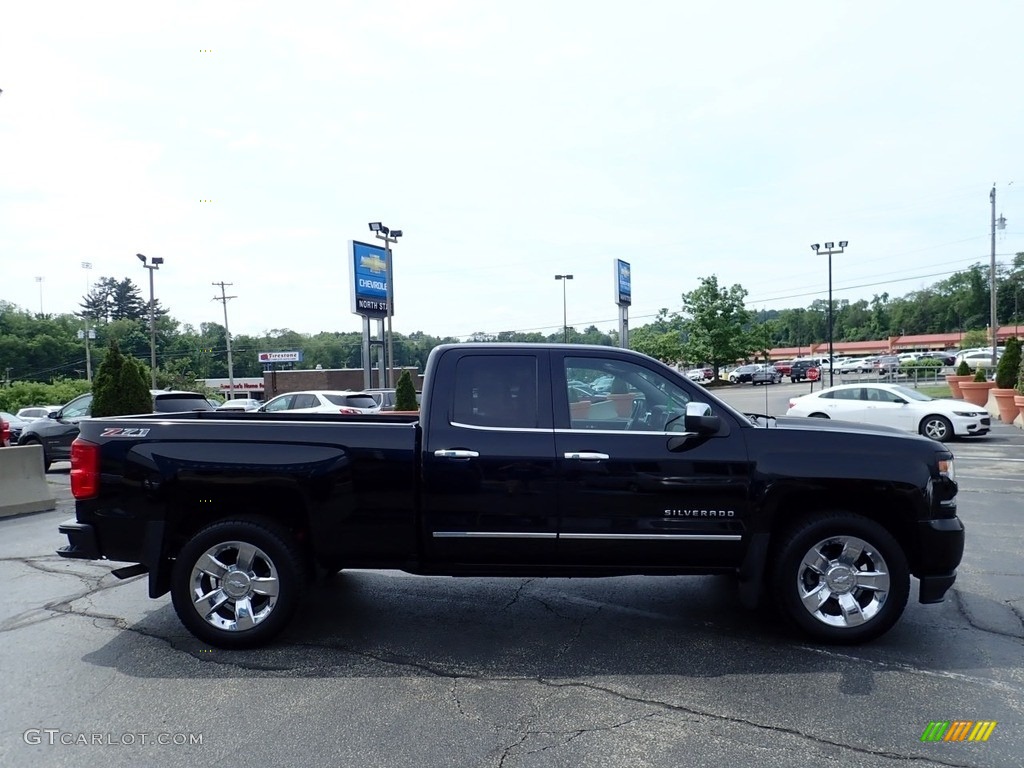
(387,669)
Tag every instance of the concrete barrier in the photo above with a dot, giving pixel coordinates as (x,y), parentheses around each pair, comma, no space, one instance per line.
(23,486)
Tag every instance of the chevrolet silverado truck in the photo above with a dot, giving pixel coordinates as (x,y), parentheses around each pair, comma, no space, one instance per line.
(508,471)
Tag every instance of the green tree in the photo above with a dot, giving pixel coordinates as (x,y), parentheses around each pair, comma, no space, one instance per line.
(973,339)
(716,321)
(120,386)
(405,393)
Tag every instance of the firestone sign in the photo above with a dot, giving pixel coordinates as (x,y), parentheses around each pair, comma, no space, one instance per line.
(281,357)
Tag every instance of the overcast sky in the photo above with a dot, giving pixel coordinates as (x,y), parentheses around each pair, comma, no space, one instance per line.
(509,142)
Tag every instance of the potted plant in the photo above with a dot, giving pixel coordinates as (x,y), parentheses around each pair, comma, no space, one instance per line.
(621,396)
(1007,372)
(976,391)
(963,373)
(1019,397)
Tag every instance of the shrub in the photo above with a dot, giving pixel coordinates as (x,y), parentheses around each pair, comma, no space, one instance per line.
(405,393)
(963,369)
(922,362)
(120,387)
(1007,370)
(979,375)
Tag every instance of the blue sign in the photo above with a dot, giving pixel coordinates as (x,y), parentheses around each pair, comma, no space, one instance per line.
(368,268)
(623,284)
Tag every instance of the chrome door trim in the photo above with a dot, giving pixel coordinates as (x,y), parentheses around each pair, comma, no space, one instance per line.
(653,536)
(492,535)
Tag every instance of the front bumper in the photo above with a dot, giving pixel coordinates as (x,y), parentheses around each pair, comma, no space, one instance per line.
(971,425)
(941,547)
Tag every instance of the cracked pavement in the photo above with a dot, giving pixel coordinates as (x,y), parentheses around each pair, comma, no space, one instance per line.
(384,669)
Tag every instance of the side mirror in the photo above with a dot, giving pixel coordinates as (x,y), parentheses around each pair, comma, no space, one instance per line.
(699,419)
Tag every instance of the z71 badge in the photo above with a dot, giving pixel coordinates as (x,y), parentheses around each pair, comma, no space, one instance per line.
(125,432)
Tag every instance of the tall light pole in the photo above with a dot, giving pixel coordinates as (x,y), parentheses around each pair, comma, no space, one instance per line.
(565,316)
(227,337)
(40,281)
(992,277)
(389,236)
(152,266)
(829,250)
(87,265)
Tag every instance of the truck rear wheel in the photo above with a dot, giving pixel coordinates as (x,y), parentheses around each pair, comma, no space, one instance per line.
(841,578)
(236,583)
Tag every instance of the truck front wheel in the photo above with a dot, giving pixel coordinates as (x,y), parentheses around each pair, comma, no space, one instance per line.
(236,583)
(841,578)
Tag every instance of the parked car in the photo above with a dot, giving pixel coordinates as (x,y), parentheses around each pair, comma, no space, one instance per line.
(57,432)
(700,374)
(743,373)
(240,404)
(769,374)
(14,425)
(850,365)
(5,433)
(783,366)
(978,358)
(887,365)
(893,405)
(322,401)
(945,358)
(801,369)
(37,411)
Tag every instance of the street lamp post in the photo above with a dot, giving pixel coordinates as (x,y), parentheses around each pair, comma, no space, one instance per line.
(153,265)
(829,250)
(565,316)
(389,236)
(40,281)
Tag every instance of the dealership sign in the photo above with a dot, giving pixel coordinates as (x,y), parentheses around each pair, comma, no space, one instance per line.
(368,279)
(623,284)
(281,357)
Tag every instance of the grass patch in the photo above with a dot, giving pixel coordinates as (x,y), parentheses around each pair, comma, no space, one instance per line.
(939,390)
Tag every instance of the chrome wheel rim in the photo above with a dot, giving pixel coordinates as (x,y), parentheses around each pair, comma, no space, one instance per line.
(235,586)
(843,581)
(935,429)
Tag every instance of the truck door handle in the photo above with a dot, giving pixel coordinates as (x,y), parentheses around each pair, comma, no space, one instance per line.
(447,453)
(586,456)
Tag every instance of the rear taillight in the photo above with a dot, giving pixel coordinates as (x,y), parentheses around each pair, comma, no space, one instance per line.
(5,432)
(348,410)
(85,469)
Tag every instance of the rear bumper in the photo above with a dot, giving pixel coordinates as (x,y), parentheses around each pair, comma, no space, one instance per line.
(82,544)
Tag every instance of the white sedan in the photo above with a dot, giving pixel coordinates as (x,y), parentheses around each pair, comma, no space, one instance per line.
(892,405)
(322,401)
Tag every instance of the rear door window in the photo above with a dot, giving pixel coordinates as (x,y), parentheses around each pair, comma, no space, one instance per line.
(175,403)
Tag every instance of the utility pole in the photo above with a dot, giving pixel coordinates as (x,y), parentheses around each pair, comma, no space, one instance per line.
(992,277)
(227,336)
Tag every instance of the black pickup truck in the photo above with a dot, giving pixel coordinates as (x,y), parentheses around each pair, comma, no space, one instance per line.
(525,460)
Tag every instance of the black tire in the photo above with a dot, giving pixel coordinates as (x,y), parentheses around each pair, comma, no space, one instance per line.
(937,428)
(275,563)
(818,416)
(821,578)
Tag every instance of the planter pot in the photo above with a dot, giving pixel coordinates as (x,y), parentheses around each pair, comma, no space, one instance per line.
(976,392)
(954,382)
(1005,405)
(1019,401)
(623,403)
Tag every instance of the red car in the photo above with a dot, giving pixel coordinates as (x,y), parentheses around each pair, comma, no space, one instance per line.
(783,366)
(5,434)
